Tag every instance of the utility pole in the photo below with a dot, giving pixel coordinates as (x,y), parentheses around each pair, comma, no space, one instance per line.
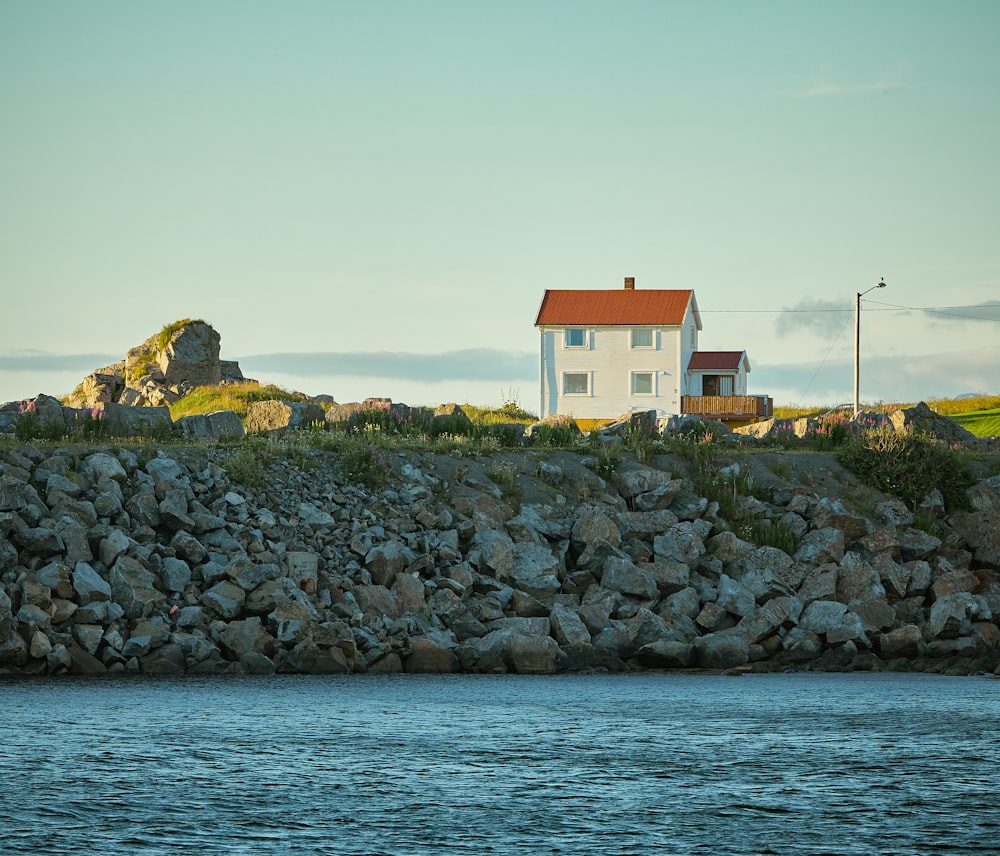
(857,342)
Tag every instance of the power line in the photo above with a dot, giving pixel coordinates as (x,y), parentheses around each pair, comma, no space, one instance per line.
(891,307)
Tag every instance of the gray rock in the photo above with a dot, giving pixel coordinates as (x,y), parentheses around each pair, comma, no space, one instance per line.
(89,585)
(264,416)
(123,421)
(820,546)
(248,636)
(175,575)
(218,425)
(834,620)
(906,641)
(132,587)
(623,576)
(681,543)
(735,598)
(226,599)
(721,650)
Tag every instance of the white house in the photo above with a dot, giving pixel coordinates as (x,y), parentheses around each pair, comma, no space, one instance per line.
(606,352)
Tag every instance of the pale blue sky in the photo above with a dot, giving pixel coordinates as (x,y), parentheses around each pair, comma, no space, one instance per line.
(350,192)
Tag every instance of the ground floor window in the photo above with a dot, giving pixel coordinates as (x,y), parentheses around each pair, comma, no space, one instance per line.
(642,383)
(576,383)
(717,385)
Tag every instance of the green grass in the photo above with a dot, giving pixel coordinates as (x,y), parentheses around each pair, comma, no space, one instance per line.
(230,396)
(163,338)
(985,423)
(979,415)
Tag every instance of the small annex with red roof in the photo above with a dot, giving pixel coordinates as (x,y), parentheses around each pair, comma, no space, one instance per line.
(605,352)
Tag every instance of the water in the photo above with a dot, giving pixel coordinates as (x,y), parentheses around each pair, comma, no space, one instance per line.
(769,764)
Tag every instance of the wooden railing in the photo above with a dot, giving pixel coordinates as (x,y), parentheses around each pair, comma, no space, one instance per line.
(727,406)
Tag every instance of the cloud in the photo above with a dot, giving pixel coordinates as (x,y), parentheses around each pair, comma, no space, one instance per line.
(836,90)
(988,310)
(824,318)
(883,378)
(473,364)
(44,361)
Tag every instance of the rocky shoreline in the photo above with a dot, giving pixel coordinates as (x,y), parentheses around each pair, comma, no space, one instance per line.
(125,560)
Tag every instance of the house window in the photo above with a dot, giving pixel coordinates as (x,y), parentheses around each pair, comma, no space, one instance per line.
(642,383)
(717,385)
(576,337)
(694,332)
(576,383)
(642,337)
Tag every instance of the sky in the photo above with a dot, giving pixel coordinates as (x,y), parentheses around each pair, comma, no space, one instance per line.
(369,198)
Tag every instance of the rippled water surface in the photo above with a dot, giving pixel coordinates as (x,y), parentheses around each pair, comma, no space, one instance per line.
(796,764)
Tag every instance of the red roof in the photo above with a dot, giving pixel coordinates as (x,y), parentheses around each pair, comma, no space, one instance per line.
(627,307)
(717,360)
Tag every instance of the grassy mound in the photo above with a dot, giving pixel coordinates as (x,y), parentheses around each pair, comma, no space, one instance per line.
(230,396)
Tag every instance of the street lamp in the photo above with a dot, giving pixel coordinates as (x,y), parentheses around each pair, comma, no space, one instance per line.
(857,340)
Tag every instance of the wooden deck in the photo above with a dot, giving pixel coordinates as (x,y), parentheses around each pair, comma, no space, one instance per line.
(723,407)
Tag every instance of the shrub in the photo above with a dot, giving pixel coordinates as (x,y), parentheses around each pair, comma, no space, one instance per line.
(246,465)
(89,425)
(164,336)
(27,425)
(559,431)
(504,434)
(364,463)
(908,466)
(767,533)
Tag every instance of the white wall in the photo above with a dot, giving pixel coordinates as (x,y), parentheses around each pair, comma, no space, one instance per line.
(609,361)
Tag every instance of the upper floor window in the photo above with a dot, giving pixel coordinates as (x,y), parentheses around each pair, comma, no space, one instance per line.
(694,333)
(642,337)
(576,337)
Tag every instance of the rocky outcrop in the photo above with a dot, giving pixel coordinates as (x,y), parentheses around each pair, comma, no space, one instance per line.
(161,370)
(114,562)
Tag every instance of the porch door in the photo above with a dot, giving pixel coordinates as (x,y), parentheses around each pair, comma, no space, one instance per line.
(725,384)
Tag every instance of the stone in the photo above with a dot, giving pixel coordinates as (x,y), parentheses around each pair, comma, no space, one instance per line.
(533,655)
(623,576)
(858,580)
(681,543)
(386,560)
(906,641)
(568,628)
(735,598)
(594,525)
(833,620)
(226,599)
(266,416)
(175,575)
(124,421)
(428,657)
(132,587)
(218,425)
(666,654)
(821,546)
(831,514)
(917,544)
(247,636)
(721,650)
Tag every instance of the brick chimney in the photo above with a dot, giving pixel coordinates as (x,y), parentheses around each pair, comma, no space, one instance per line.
(630,283)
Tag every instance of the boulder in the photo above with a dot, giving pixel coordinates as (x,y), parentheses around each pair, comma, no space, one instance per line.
(265,416)
(428,657)
(190,355)
(920,419)
(123,421)
(721,650)
(218,425)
